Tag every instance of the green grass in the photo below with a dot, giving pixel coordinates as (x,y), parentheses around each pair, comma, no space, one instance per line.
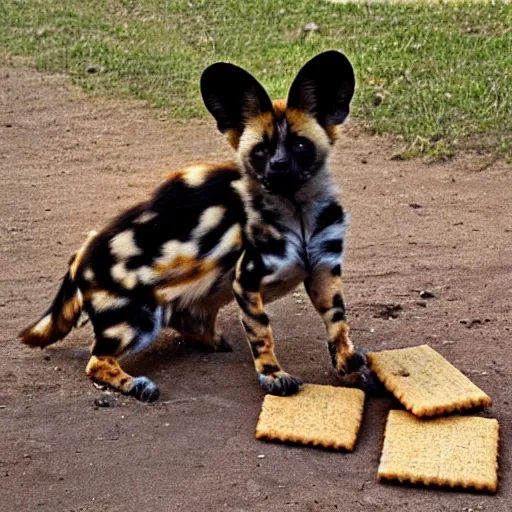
(437,75)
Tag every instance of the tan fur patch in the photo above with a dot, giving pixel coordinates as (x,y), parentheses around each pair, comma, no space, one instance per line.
(77,260)
(43,328)
(189,287)
(425,382)
(254,133)
(458,451)
(325,416)
(279,107)
(323,288)
(305,125)
(177,268)
(233,138)
(71,309)
(107,370)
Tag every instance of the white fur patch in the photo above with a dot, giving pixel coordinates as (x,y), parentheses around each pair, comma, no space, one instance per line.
(146,275)
(123,245)
(103,300)
(231,240)
(195,175)
(43,326)
(209,219)
(122,275)
(174,248)
(145,217)
(88,274)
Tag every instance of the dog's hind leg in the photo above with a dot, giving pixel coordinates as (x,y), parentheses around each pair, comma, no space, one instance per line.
(126,328)
(198,328)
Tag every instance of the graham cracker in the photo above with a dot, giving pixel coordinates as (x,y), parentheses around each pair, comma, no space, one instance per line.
(425,382)
(325,416)
(457,451)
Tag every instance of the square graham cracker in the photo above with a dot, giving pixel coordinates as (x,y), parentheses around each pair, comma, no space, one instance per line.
(456,451)
(425,382)
(325,416)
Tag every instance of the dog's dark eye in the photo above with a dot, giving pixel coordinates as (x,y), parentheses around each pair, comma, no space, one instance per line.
(260,151)
(300,145)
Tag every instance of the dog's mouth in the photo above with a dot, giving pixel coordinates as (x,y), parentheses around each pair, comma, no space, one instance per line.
(283,184)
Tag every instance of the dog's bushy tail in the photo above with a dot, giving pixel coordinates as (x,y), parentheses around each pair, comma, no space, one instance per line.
(65,310)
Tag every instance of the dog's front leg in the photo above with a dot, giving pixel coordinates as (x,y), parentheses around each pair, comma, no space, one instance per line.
(250,271)
(324,287)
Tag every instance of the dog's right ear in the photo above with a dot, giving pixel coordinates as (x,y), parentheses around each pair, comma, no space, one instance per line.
(232,96)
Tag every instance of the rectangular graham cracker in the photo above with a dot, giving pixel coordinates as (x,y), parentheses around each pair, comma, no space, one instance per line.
(425,382)
(325,416)
(457,451)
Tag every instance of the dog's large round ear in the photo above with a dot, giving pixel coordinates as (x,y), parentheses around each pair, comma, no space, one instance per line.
(324,88)
(232,95)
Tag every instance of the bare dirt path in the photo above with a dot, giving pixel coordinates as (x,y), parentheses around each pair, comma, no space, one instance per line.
(69,162)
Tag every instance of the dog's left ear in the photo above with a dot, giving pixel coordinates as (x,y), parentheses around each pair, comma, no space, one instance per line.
(324,88)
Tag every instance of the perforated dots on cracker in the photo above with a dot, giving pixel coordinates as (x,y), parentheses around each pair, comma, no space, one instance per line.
(325,416)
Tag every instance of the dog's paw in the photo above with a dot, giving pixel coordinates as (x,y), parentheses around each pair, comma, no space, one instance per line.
(354,371)
(221,345)
(144,389)
(280,383)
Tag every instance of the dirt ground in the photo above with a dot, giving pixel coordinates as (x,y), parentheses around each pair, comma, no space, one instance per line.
(69,162)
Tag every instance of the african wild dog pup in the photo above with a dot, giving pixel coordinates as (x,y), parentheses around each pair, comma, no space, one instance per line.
(252,230)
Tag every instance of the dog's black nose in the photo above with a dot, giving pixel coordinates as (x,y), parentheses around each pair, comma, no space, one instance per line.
(279,164)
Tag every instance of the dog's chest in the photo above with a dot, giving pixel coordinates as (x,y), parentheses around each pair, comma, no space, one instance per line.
(308,242)
(288,268)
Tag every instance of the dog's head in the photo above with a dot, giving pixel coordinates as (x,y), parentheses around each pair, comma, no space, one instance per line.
(282,144)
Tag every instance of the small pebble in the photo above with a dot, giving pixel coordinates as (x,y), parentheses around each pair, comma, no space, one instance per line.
(261,456)
(104,401)
(425,294)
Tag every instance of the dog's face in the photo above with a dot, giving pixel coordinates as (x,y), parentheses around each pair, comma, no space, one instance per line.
(281,144)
